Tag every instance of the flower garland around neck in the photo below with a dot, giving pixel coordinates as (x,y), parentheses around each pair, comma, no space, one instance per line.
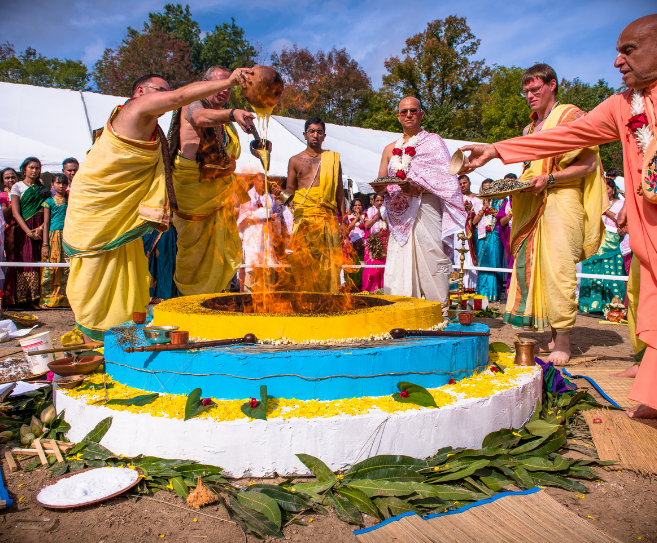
(402,154)
(638,123)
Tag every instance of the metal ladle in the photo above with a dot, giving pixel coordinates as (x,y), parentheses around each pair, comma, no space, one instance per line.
(258,145)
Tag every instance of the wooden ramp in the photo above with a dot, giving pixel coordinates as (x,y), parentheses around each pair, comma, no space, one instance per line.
(630,442)
(613,389)
(510,517)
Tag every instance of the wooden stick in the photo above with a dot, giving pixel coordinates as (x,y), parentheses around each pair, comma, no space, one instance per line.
(72,348)
(248,339)
(11,462)
(400,333)
(39,449)
(55,448)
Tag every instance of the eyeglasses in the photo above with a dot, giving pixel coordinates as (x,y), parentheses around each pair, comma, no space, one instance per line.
(533,90)
(156,88)
(315,132)
(413,111)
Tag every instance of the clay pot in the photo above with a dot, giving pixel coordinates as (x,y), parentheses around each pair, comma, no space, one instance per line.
(179,337)
(614,315)
(466,318)
(264,88)
(85,365)
(139,317)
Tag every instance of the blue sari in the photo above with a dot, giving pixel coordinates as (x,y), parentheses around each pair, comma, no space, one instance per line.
(490,254)
(161,250)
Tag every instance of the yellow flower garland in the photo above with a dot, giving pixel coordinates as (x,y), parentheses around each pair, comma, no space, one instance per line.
(480,385)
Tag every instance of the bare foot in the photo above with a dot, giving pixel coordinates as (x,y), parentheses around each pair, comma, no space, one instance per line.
(642,412)
(154,300)
(561,351)
(546,347)
(629,372)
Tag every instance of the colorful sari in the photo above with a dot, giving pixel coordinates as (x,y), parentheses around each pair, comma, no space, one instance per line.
(373,277)
(53,280)
(160,249)
(490,254)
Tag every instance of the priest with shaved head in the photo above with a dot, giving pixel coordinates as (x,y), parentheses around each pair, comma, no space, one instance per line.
(423,210)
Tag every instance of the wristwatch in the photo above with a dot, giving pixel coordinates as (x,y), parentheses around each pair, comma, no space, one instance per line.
(231,115)
(551,181)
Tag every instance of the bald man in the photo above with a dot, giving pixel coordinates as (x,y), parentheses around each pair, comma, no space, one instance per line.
(423,211)
(610,121)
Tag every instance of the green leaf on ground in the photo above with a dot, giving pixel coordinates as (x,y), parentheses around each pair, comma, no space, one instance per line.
(499,347)
(98,433)
(318,468)
(256,521)
(262,503)
(179,487)
(290,501)
(345,510)
(194,406)
(541,428)
(137,400)
(359,499)
(387,466)
(416,394)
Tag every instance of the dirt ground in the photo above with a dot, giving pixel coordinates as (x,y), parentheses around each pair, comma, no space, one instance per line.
(624,505)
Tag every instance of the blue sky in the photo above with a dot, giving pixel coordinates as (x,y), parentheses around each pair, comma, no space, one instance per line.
(577,38)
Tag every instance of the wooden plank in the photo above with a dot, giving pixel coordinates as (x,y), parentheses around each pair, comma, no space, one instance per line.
(11,462)
(39,449)
(30,452)
(55,448)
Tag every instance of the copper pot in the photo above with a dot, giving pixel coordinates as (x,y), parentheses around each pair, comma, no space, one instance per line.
(525,352)
(179,337)
(139,317)
(466,318)
(264,88)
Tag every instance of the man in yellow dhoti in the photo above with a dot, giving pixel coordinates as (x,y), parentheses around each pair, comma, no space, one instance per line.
(120,194)
(204,146)
(315,178)
(553,229)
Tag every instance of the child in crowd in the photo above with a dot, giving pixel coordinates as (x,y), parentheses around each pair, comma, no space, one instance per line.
(53,280)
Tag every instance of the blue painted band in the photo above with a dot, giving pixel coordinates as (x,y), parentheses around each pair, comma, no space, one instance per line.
(595,385)
(321,373)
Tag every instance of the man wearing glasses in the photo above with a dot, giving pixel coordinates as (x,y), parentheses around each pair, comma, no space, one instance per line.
(120,194)
(315,178)
(553,229)
(423,211)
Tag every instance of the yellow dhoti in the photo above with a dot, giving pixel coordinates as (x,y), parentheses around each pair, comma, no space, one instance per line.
(551,233)
(209,247)
(316,258)
(119,195)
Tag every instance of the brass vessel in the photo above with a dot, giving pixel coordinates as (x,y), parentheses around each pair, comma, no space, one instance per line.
(525,352)
(264,88)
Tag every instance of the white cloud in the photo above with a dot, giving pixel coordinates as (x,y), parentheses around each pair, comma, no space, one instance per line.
(93,52)
(280,44)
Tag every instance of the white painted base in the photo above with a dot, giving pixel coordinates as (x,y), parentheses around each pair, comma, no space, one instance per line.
(261,448)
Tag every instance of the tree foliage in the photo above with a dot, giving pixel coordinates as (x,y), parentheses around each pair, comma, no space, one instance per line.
(438,69)
(32,68)
(177,22)
(331,85)
(227,46)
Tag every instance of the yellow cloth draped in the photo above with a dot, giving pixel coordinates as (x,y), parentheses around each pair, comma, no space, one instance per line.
(551,233)
(633,288)
(316,258)
(119,195)
(209,247)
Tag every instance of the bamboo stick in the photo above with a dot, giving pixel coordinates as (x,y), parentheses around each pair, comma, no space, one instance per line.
(72,348)
(248,339)
(400,333)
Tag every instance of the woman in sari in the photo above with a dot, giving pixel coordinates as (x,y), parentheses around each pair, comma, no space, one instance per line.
(53,280)
(504,221)
(376,243)
(9,177)
(26,199)
(490,251)
(594,294)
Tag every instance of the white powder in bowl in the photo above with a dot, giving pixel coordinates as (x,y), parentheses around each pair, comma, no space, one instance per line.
(88,486)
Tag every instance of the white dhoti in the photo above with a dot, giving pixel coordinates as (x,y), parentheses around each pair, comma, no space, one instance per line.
(420,268)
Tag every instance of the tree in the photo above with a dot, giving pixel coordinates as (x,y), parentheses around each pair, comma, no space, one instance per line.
(150,51)
(439,71)
(378,112)
(504,112)
(226,46)
(331,85)
(32,68)
(177,22)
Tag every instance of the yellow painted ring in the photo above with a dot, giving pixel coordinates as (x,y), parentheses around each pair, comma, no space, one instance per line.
(188,313)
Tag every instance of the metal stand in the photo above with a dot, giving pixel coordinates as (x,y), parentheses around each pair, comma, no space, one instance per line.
(461,237)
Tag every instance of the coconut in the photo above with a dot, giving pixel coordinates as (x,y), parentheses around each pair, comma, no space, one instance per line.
(27,439)
(25,429)
(200,496)
(36,426)
(6,436)
(48,414)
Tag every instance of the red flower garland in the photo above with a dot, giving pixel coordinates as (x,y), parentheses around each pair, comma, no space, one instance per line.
(638,121)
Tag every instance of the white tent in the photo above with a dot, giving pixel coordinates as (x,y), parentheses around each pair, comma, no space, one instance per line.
(54,124)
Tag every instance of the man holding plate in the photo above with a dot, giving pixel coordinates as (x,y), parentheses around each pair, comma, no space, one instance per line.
(424,210)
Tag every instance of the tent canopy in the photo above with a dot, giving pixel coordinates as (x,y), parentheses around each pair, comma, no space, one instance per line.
(54,124)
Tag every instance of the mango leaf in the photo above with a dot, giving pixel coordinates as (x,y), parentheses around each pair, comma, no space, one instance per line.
(496,481)
(75,465)
(504,439)
(256,521)
(497,366)
(194,406)
(289,501)
(76,448)
(262,503)
(59,469)
(197,470)
(345,510)
(314,489)
(179,487)
(553,443)
(540,463)
(391,507)
(416,394)
(318,468)
(153,463)
(442,455)
(387,466)
(583,473)
(382,488)
(476,454)
(541,428)
(499,347)
(549,479)
(99,431)
(95,451)
(478,487)
(260,411)
(95,463)
(524,479)
(462,473)
(537,411)
(360,500)
(137,400)
(528,446)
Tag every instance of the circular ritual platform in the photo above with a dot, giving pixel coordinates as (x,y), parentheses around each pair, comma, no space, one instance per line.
(330,368)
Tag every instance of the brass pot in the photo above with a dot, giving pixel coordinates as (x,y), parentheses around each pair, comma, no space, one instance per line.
(264,88)
(525,352)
